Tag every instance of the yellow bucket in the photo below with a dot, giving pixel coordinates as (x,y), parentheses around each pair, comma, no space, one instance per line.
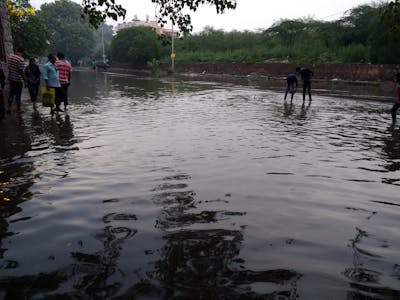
(48,96)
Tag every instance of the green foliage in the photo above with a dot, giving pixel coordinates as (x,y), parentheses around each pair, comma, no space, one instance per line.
(136,45)
(354,53)
(27,29)
(31,34)
(391,13)
(173,10)
(99,10)
(154,66)
(362,35)
(68,32)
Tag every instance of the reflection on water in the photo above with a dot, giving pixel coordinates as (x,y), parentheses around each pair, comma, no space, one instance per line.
(149,189)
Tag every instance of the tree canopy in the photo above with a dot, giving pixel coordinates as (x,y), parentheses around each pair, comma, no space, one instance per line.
(26,27)
(362,35)
(68,32)
(136,45)
(99,10)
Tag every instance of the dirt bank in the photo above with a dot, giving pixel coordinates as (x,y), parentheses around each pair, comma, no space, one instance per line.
(365,81)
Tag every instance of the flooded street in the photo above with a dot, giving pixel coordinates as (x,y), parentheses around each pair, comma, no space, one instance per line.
(155,189)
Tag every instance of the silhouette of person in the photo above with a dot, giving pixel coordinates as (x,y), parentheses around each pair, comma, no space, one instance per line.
(64,69)
(32,74)
(396,104)
(306,75)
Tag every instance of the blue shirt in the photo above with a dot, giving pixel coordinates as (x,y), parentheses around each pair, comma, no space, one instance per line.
(50,74)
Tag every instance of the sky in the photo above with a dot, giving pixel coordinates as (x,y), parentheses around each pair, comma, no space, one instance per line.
(248,15)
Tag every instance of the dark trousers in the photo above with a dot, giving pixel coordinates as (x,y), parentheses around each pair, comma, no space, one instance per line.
(58,96)
(2,108)
(306,88)
(394,111)
(33,91)
(64,93)
(15,92)
(290,87)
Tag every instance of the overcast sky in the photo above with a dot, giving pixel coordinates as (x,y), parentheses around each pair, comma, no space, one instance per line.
(248,15)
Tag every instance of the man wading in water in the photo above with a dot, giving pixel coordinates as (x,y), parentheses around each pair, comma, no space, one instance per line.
(396,105)
(306,75)
(52,79)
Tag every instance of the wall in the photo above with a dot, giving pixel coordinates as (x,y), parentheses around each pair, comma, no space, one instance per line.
(352,72)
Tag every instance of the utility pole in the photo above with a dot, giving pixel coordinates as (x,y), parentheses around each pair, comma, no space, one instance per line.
(102,42)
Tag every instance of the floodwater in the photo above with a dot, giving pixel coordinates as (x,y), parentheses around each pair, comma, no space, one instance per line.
(155,189)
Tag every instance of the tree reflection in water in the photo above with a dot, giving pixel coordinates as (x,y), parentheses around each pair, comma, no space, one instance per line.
(16,176)
(364,276)
(203,263)
(200,258)
(88,278)
(392,152)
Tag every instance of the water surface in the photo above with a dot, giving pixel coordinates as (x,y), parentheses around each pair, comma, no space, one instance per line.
(161,189)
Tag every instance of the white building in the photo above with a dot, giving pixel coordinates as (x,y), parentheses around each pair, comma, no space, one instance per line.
(139,23)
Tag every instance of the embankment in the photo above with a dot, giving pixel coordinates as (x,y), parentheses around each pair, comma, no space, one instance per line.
(366,81)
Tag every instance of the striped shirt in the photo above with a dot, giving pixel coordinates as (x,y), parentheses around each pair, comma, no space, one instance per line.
(16,68)
(64,69)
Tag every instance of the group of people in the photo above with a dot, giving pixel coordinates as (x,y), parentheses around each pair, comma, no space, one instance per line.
(306,75)
(56,74)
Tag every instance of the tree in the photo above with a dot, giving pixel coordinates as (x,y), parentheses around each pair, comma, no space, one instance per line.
(68,32)
(384,39)
(99,10)
(136,45)
(30,34)
(27,28)
(392,13)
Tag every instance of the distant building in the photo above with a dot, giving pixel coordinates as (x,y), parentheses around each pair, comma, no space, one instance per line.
(139,23)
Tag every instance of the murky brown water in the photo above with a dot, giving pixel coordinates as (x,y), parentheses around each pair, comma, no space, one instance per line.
(152,189)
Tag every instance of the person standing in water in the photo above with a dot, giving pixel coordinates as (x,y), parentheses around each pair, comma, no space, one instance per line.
(306,75)
(32,74)
(396,104)
(52,80)
(16,78)
(64,69)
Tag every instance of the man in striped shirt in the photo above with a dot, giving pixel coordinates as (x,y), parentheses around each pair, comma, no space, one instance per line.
(64,69)
(16,78)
